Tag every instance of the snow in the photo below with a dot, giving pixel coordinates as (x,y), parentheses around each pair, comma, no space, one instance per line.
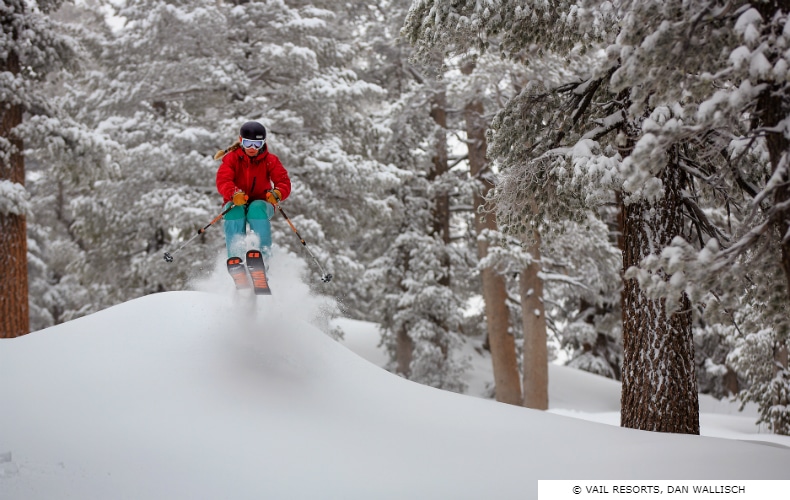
(205,394)
(14,198)
(748,24)
(760,66)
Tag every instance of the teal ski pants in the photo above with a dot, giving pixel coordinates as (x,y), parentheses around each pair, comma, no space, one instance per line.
(258,214)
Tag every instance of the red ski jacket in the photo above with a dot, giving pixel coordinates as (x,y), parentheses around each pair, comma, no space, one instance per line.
(254,175)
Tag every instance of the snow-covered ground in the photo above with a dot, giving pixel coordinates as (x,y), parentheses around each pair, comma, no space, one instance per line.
(575,393)
(198,395)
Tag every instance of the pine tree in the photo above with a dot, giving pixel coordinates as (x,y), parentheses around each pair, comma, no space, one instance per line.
(13,301)
(165,90)
(763,362)
(494,287)
(303,83)
(728,62)
(34,46)
(656,334)
(421,266)
(562,116)
(152,94)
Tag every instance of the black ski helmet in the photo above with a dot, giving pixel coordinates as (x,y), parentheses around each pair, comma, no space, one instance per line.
(253,130)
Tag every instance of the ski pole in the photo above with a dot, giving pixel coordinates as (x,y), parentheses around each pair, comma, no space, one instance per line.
(325,277)
(169,256)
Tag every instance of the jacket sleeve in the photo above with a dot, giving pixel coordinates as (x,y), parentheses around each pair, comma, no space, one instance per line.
(279,177)
(225,177)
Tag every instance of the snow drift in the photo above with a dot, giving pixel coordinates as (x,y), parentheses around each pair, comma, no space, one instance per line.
(194,395)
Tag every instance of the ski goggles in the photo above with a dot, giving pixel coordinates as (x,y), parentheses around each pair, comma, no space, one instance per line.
(250,143)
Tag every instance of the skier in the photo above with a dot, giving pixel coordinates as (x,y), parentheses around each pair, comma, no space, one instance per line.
(251,180)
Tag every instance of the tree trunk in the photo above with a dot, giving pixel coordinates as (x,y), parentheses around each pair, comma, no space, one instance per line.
(404,344)
(533,314)
(777,395)
(659,390)
(503,345)
(404,353)
(773,106)
(14,313)
(441,215)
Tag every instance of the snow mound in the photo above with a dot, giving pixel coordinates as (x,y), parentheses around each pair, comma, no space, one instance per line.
(197,395)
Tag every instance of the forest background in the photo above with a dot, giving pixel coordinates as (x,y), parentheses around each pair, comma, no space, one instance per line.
(603,183)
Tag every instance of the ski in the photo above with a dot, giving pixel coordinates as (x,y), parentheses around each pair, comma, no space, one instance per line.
(238,273)
(257,271)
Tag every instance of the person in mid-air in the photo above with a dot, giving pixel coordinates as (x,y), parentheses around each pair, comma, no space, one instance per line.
(253,181)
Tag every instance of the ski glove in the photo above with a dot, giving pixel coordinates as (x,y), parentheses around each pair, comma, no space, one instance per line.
(239,198)
(274,196)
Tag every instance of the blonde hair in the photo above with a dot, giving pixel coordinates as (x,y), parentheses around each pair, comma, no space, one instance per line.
(222,152)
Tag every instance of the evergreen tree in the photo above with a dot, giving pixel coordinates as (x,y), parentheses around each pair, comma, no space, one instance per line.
(299,62)
(148,91)
(421,268)
(726,89)
(172,86)
(68,158)
(763,362)
(544,199)
(34,46)
(472,90)
(675,83)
